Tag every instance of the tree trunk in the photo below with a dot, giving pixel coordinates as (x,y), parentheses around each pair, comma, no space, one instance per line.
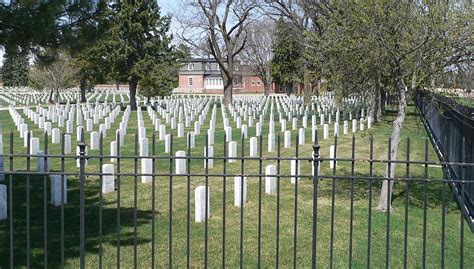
(228,83)
(83,87)
(51,100)
(266,89)
(378,99)
(378,112)
(307,85)
(117,86)
(372,102)
(132,84)
(385,196)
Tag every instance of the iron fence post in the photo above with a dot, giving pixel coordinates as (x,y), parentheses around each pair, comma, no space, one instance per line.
(316,148)
(82,178)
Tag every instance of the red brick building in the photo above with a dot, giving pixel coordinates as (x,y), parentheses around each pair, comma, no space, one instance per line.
(203,75)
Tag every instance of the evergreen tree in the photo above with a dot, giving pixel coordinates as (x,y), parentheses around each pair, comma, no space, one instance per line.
(287,62)
(15,67)
(135,42)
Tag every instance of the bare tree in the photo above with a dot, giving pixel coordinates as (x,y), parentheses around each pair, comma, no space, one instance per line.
(222,25)
(55,76)
(303,16)
(258,52)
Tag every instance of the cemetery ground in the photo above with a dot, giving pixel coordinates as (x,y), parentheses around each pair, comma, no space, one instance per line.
(142,238)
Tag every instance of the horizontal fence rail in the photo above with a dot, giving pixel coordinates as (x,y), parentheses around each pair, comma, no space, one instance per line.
(131,209)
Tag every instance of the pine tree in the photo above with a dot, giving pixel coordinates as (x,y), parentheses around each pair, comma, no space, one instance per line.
(135,42)
(15,67)
(287,62)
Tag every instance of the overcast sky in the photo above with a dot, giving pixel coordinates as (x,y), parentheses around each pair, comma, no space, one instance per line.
(168,6)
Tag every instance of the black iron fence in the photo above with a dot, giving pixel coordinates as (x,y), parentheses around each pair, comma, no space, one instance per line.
(447,120)
(316,216)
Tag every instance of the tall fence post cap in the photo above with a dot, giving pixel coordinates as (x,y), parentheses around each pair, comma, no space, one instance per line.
(82,147)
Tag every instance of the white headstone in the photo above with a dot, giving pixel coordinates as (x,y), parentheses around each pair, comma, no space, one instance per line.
(325,131)
(162,132)
(232,151)
(108,181)
(238,198)
(271,142)
(147,166)
(3,202)
(331,156)
(2,163)
(228,133)
(354,125)
(67,144)
(56,189)
(295,170)
(56,136)
(41,165)
(270,179)
(253,147)
(200,204)
(94,140)
(89,125)
(283,125)
(79,133)
(113,150)
(180,163)
(301,136)
(287,143)
(210,154)
(180,129)
(210,136)
(167,143)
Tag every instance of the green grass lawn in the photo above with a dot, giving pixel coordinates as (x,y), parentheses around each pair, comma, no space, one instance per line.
(413,130)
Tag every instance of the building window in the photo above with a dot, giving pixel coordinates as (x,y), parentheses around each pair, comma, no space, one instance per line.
(190,81)
(236,67)
(253,83)
(190,67)
(208,66)
(258,83)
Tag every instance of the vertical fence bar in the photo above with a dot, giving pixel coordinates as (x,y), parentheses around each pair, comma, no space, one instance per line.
(188,202)
(463,199)
(333,204)
(259,247)
(443,210)
(425,201)
(206,222)
(28,241)
(389,204)
(295,221)
(62,197)
(314,245)
(277,261)
(101,198)
(351,226)
(407,190)
(170,229)
(118,201)
(242,202)
(82,178)
(45,202)
(153,209)
(135,198)
(369,218)
(10,200)
(224,190)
